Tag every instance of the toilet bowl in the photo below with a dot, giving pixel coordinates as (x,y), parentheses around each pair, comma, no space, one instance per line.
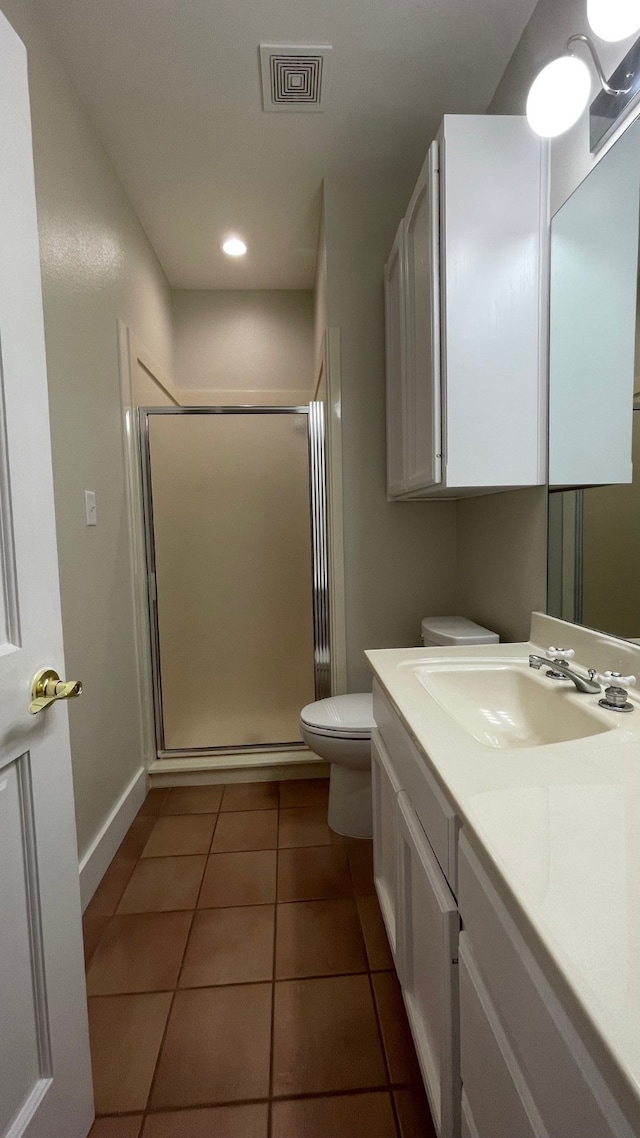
(338,729)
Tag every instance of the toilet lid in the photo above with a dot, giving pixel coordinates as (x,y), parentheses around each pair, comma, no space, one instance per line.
(347,716)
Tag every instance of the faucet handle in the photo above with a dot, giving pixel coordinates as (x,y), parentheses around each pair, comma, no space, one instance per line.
(616,679)
(560,654)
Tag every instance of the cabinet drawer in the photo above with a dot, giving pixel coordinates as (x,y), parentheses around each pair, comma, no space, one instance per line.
(436,815)
(385,788)
(496,1101)
(569,1092)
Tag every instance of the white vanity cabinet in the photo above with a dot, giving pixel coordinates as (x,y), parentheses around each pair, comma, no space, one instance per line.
(466,378)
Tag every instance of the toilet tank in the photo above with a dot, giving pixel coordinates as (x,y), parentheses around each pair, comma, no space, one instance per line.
(455,631)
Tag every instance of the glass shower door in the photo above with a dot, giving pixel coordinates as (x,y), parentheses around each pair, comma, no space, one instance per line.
(230,544)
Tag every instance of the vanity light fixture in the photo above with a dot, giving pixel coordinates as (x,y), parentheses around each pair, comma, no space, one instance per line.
(234,247)
(560,92)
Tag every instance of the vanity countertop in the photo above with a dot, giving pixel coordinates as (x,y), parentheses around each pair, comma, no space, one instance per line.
(559,824)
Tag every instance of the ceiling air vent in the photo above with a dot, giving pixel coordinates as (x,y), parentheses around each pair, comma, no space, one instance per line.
(294,78)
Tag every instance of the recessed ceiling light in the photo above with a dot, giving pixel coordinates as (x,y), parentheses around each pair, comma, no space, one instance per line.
(234,247)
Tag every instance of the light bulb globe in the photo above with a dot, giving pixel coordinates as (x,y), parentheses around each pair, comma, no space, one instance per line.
(613,20)
(558,96)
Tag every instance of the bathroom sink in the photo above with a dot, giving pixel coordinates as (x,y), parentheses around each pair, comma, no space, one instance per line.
(506,705)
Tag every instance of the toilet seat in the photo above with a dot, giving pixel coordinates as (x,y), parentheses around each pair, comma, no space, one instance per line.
(340,716)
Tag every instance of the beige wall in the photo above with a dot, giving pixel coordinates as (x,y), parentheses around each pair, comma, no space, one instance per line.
(502,560)
(97,266)
(502,541)
(244,346)
(399,557)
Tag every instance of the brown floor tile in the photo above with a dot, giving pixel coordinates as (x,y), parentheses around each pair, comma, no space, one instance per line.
(216,1049)
(375,934)
(139,953)
(304,792)
(340,1116)
(107,896)
(136,837)
(126,1033)
(360,856)
(180,834)
(414,1116)
(193,800)
(325,1036)
(163,883)
(239,879)
(250,796)
(306,826)
(313,873)
(246,830)
(128,1127)
(229,946)
(396,1034)
(319,938)
(92,930)
(155,800)
(219,1122)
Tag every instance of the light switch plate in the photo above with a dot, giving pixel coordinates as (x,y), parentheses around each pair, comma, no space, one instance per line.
(90,507)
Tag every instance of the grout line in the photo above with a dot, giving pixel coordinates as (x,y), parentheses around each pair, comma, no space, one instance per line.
(306,1096)
(273,977)
(229,983)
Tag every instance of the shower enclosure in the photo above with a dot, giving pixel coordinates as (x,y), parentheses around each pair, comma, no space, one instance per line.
(235,521)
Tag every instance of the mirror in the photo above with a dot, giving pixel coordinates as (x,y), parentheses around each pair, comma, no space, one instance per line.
(594,398)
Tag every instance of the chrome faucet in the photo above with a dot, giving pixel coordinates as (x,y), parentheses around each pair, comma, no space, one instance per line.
(582,684)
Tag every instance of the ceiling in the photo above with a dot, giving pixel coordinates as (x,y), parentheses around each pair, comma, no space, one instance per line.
(174,92)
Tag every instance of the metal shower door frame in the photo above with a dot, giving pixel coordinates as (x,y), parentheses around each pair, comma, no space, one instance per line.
(314,412)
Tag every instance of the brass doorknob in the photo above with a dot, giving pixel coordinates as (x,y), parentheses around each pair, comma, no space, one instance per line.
(47,687)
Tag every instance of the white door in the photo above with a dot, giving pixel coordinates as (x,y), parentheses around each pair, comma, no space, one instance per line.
(45,1075)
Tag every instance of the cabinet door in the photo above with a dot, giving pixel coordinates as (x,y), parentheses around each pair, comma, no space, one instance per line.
(385,788)
(428,926)
(497,1102)
(422,306)
(394,292)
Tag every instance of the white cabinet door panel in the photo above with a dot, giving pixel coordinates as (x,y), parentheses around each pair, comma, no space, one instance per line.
(422,360)
(385,789)
(499,1101)
(428,926)
(394,300)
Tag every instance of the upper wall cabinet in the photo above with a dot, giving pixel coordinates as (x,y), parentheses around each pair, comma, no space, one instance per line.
(465,316)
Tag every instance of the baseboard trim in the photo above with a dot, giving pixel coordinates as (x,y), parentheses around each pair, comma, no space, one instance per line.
(265,766)
(99,856)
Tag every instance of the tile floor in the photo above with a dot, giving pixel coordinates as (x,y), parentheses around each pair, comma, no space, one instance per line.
(239,978)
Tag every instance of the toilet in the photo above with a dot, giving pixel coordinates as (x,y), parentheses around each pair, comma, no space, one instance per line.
(338,730)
